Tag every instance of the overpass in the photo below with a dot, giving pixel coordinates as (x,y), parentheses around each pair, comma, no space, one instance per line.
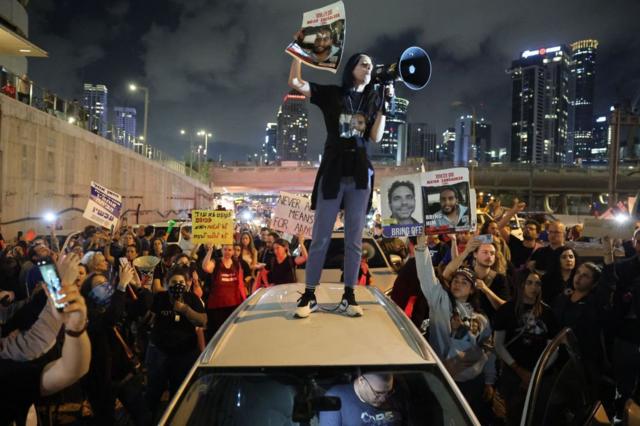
(543,186)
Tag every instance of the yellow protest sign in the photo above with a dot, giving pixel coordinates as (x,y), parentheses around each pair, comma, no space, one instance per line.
(214,227)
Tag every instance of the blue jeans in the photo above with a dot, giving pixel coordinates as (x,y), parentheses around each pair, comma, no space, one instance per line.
(355,214)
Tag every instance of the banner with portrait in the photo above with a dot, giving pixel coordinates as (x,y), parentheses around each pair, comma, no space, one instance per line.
(447,201)
(320,41)
(401,206)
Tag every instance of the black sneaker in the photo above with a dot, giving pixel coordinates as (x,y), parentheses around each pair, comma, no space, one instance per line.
(306,304)
(349,305)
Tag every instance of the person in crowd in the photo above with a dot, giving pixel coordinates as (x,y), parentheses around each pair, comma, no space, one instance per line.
(559,277)
(542,259)
(406,291)
(624,278)
(521,250)
(459,332)
(583,309)
(97,263)
(260,240)
(247,273)
(489,267)
(576,233)
(226,288)
(345,174)
(451,212)
(364,274)
(173,345)
(523,327)
(157,247)
(146,243)
(370,399)
(105,306)
(248,250)
(32,380)
(266,252)
(495,209)
(185,242)
(82,274)
(402,202)
(282,269)
(159,273)
(490,227)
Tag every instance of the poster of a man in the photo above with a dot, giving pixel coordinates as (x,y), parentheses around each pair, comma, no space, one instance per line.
(401,202)
(447,199)
(324,49)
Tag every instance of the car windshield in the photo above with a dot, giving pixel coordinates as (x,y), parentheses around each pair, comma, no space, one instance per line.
(318,396)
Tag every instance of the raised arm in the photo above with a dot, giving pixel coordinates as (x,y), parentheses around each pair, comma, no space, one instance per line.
(295,79)
(426,274)
(303,251)
(207,263)
(456,262)
(506,218)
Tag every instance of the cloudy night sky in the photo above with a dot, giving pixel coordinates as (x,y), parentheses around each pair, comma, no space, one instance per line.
(221,65)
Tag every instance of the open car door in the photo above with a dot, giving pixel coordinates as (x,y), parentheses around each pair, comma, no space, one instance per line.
(561,392)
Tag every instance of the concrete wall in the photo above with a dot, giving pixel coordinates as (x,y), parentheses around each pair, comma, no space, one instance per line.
(47,164)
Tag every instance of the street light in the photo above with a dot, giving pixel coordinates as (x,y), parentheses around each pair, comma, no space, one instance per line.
(206,135)
(134,88)
(184,132)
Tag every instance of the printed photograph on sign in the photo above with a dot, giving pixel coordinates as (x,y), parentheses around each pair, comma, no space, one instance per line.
(320,41)
(447,201)
(401,206)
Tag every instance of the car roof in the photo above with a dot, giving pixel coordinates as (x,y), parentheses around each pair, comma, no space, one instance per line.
(263,332)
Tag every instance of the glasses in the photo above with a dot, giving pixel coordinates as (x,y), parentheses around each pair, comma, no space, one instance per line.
(378,394)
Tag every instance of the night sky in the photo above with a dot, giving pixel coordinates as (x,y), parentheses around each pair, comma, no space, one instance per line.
(221,65)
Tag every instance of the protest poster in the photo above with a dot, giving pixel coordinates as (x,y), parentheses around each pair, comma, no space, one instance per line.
(212,227)
(320,41)
(446,201)
(598,228)
(103,206)
(293,215)
(473,202)
(401,206)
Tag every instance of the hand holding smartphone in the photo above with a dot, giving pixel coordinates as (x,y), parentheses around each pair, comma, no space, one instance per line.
(53,282)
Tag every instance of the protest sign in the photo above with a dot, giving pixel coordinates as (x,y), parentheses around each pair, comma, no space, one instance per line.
(103,206)
(212,226)
(401,206)
(446,201)
(598,228)
(473,203)
(293,215)
(320,41)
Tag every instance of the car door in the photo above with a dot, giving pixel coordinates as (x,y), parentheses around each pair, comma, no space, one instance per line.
(561,392)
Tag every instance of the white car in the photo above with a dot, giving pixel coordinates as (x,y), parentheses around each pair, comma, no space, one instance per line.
(382,271)
(263,367)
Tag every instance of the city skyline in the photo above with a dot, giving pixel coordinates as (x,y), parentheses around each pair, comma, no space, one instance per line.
(190,87)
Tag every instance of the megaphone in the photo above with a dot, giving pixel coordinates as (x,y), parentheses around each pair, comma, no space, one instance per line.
(413,69)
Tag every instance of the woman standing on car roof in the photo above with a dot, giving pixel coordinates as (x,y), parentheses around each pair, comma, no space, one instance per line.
(354,115)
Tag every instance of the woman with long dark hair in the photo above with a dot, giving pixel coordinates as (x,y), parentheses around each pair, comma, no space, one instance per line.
(523,326)
(354,116)
(559,277)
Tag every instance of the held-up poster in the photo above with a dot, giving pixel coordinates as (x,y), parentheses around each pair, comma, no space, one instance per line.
(103,206)
(212,227)
(320,41)
(293,215)
(447,201)
(401,206)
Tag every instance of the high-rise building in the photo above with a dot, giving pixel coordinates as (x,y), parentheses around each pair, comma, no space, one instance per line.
(393,146)
(95,101)
(421,142)
(447,146)
(624,132)
(599,153)
(540,106)
(293,123)
(472,140)
(581,85)
(125,121)
(269,150)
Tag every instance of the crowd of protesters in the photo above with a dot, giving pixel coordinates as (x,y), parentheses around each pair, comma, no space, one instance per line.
(489,309)
(139,310)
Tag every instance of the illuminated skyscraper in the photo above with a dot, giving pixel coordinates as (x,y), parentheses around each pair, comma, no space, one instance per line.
(421,142)
(583,72)
(540,106)
(446,147)
(125,120)
(95,101)
(293,123)
(599,153)
(393,146)
(472,140)
(269,150)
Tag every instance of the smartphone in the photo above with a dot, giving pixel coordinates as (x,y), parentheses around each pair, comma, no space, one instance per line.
(485,238)
(53,282)
(124,262)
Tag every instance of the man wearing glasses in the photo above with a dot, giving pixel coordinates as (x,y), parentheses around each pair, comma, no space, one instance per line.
(370,399)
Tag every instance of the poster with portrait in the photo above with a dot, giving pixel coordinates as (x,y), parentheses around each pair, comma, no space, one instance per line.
(401,206)
(320,41)
(447,201)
